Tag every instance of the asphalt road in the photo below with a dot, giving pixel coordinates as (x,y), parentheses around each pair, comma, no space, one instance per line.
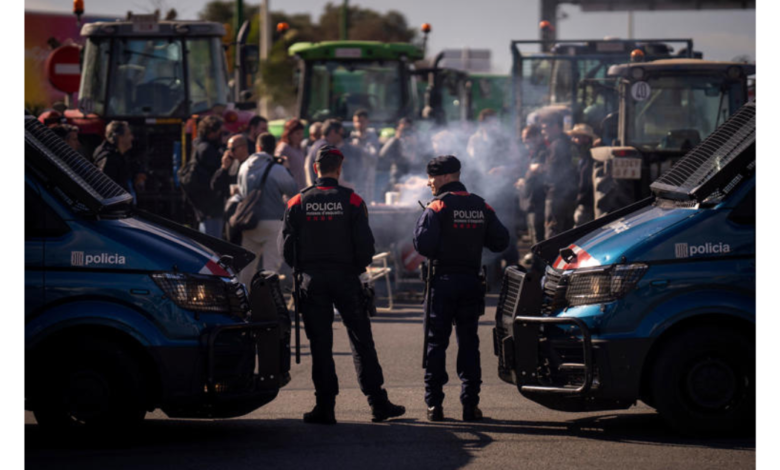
(516,433)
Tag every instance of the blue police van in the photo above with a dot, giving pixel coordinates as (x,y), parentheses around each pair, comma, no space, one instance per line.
(127,312)
(654,302)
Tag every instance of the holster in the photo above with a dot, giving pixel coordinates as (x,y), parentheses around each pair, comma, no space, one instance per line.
(302,283)
(369,304)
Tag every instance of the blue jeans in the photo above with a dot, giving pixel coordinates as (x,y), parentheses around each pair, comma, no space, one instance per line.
(212,227)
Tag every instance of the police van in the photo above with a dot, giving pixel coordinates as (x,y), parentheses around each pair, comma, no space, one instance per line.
(654,302)
(127,312)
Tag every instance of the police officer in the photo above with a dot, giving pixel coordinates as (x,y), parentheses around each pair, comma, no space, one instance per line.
(451,233)
(326,238)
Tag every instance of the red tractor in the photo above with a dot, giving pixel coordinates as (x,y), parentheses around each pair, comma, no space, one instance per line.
(160,77)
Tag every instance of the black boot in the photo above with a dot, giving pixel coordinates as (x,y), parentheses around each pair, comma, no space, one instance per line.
(383,409)
(436,413)
(472,413)
(321,414)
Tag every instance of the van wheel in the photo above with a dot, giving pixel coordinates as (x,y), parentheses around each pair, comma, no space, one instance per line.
(704,382)
(98,386)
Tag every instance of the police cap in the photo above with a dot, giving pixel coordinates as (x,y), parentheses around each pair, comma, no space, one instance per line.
(327,151)
(443,165)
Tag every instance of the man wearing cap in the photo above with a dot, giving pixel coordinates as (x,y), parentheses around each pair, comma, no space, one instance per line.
(451,233)
(328,242)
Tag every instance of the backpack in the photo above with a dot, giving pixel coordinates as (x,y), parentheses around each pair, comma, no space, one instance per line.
(246,216)
(194,181)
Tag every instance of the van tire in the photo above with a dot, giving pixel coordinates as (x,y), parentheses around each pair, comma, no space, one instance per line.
(704,382)
(100,385)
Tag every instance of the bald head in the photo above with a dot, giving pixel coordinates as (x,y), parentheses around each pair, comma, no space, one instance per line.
(238,146)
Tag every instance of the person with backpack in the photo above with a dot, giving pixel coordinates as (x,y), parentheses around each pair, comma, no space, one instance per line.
(262,185)
(195,177)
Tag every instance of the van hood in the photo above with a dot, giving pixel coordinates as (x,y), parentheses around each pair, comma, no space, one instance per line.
(607,244)
(132,244)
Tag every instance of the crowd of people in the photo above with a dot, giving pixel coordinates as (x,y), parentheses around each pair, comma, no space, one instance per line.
(541,183)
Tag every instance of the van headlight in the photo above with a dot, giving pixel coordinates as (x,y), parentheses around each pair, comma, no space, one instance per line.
(604,284)
(193,292)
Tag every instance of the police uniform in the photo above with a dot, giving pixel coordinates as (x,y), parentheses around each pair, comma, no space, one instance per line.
(326,238)
(451,233)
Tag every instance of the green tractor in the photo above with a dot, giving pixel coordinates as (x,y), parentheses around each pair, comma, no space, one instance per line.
(336,78)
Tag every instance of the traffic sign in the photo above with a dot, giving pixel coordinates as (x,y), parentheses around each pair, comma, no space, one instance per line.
(63,68)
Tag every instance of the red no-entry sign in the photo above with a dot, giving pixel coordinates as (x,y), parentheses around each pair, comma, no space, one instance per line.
(63,69)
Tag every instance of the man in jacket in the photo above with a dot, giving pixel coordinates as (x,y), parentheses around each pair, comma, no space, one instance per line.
(278,183)
(112,157)
(207,204)
(561,177)
(531,187)
(237,152)
(327,241)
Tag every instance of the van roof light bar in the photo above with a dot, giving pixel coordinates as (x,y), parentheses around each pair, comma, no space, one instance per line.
(711,166)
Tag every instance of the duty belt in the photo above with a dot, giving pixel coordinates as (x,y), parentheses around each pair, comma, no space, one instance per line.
(439,269)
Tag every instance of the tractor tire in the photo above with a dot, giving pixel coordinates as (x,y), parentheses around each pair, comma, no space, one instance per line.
(704,382)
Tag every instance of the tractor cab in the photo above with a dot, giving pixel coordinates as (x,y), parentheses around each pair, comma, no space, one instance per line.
(666,108)
(555,77)
(167,69)
(338,78)
(160,77)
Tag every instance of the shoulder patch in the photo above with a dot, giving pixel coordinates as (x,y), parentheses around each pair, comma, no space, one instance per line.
(355,200)
(437,205)
(490,208)
(294,201)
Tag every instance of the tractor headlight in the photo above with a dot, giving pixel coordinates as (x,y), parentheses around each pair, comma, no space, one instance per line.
(194,292)
(604,284)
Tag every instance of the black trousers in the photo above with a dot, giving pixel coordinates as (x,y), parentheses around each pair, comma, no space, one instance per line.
(455,298)
(344,290)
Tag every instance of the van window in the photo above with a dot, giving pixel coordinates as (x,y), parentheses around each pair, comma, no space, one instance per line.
(40,221)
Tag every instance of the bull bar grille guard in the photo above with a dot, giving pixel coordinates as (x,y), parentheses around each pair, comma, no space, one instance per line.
(267,373)
(526,345)
(522,299)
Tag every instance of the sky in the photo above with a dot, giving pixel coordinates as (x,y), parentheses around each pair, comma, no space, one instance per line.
(492,24)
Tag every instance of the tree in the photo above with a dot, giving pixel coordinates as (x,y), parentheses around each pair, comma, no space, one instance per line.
(366,25)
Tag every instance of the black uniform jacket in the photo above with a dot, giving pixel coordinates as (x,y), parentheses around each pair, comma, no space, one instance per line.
(326,228)
(455,226)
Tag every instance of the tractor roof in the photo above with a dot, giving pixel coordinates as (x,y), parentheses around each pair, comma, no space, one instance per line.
(126,28)
(693,65)
(360,50)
